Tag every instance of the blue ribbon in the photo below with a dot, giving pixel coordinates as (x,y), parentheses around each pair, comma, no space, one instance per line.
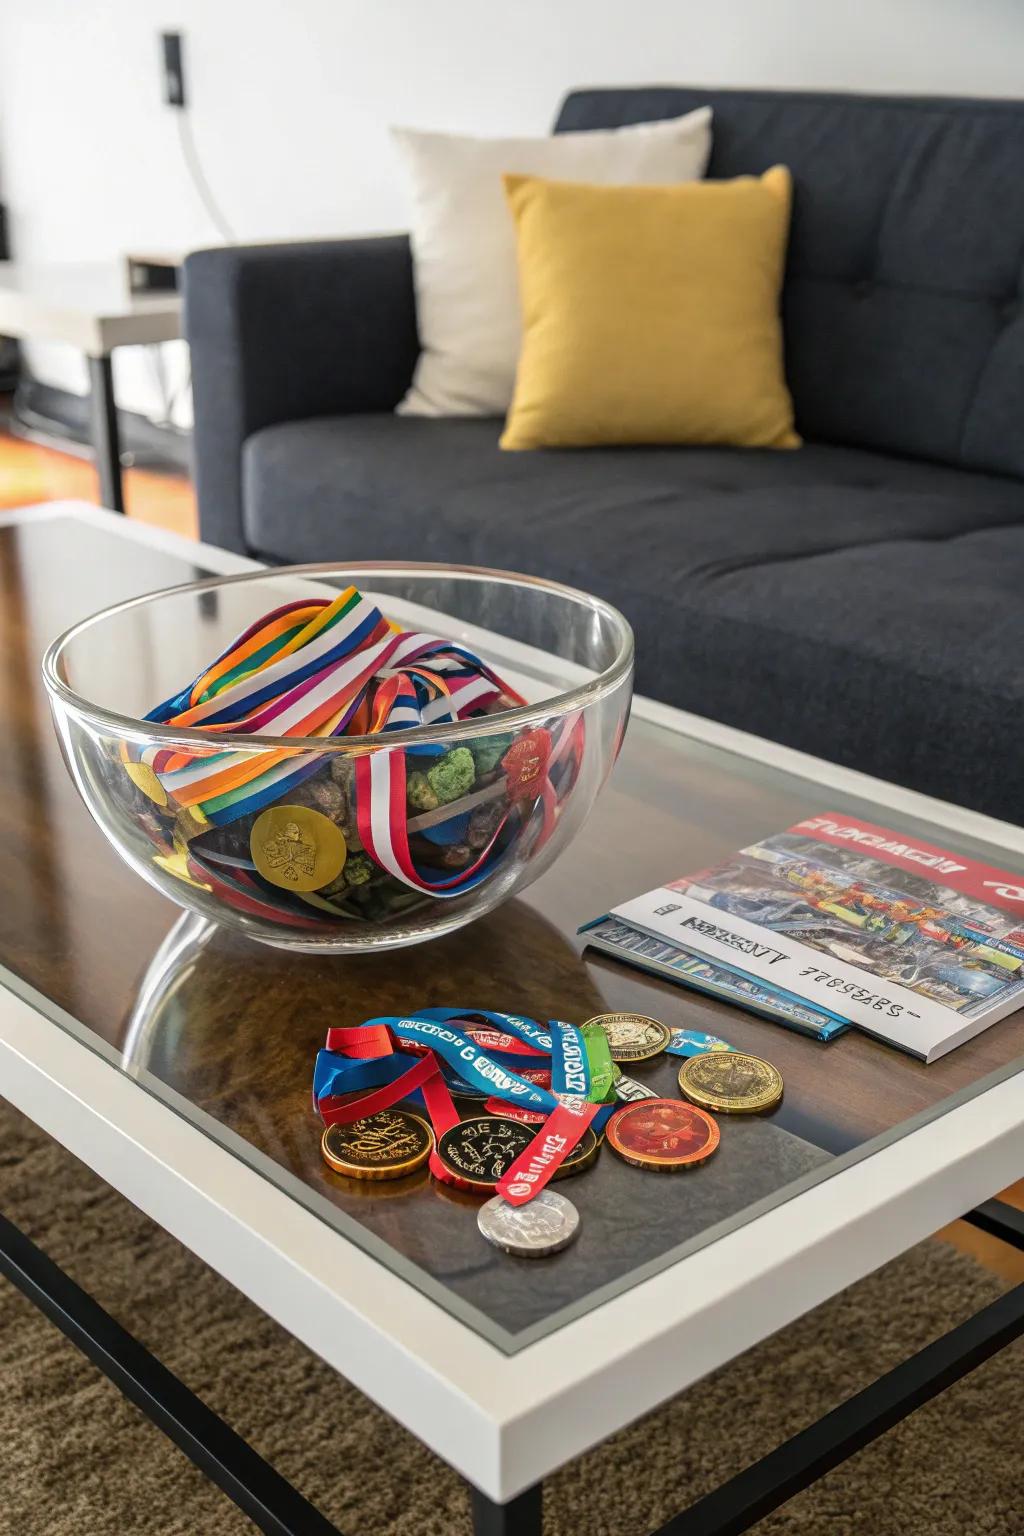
(484,1071)
(335,1073)
(527,1030)
(694,1042)
(570,1065)
(462,1053)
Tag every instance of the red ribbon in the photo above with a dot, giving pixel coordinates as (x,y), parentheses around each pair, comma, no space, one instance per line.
(424,1075)
(548,1150)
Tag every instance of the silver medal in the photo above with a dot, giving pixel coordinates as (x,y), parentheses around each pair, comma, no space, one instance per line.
(547,1223)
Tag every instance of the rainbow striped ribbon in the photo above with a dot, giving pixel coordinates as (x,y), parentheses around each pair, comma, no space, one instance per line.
(324,668)
(310,668)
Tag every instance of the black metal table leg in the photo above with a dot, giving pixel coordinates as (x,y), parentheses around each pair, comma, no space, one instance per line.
(104,432)
(521,1516)
(278,1509)
(999,1220)
(264,1495)
(793,1466)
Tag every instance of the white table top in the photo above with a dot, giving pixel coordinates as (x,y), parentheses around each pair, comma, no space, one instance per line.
(89,305)
(504,1420)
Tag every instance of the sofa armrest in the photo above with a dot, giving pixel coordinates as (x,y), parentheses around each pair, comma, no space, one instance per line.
(281,332)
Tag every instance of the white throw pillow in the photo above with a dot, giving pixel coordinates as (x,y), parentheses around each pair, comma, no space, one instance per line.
(464,245)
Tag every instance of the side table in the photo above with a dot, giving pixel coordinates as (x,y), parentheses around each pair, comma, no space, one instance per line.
(90,306)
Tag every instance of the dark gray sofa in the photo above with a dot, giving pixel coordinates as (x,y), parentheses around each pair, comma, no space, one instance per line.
(860,599)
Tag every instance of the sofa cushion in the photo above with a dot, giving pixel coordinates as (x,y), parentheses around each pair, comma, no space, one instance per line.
(904,296)
(651,314)
(900,659)
(850,604)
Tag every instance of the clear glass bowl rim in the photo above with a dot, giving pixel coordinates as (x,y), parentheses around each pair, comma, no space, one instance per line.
(130,725)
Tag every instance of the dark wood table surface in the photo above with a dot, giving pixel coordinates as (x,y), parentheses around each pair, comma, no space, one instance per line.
(238,1036)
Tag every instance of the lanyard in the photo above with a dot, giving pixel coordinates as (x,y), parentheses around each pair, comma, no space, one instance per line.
(377,1054)
(319,668)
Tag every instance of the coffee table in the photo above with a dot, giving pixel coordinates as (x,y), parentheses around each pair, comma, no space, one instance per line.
(176,1060)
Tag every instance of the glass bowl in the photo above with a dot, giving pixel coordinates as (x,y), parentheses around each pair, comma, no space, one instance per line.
(352,842)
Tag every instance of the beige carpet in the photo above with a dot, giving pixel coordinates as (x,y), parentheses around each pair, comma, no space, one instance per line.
(77,1460)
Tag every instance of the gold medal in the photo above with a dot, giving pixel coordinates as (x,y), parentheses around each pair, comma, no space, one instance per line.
(297,848)
(144,778)
(190,822)
(387,1145)
(731,1082)
(632,1036)
(176,864)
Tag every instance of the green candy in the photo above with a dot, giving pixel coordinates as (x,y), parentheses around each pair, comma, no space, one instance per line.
(358,869)
(419,793)
(452,776)
(488,751)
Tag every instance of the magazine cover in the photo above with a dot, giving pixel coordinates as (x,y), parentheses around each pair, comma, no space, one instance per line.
(917,945)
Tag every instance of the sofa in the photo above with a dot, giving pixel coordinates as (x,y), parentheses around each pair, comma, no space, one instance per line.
(859,598)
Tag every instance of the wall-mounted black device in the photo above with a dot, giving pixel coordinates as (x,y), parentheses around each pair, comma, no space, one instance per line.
(174,68)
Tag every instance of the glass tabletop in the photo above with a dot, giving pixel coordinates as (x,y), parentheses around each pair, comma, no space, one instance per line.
(225,1031)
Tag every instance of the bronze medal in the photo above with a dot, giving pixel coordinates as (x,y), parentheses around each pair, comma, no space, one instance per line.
(731,1082)
(297,848)
(386,1145)
(632,1036)
(663,1134)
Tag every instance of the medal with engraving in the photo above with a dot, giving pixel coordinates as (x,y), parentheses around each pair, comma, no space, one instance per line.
(582,1156)
(663,1134)
(632,1036)
(297,848)
(386,1145)
(524,763)
(477,1153)
(731,1082)
(545,1226)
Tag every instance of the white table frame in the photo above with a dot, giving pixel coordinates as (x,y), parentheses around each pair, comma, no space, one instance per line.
(505,1422)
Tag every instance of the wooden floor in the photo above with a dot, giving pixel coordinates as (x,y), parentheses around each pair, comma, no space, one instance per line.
(29,473)
(1003,1260)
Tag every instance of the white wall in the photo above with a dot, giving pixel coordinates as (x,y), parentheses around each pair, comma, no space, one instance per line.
(291,99)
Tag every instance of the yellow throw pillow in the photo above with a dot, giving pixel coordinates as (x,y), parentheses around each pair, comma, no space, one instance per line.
(651,314)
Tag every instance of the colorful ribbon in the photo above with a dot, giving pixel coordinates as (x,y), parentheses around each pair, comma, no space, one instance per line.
(376,1055)
(322,667)
(345,670)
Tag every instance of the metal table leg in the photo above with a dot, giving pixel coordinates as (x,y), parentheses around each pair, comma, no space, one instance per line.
(278,1509)
(104,432)
(745,1500)
(270,1502)
(520,1517)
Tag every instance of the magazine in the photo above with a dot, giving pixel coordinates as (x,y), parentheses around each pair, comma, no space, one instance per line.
(909,942)
(724,981)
